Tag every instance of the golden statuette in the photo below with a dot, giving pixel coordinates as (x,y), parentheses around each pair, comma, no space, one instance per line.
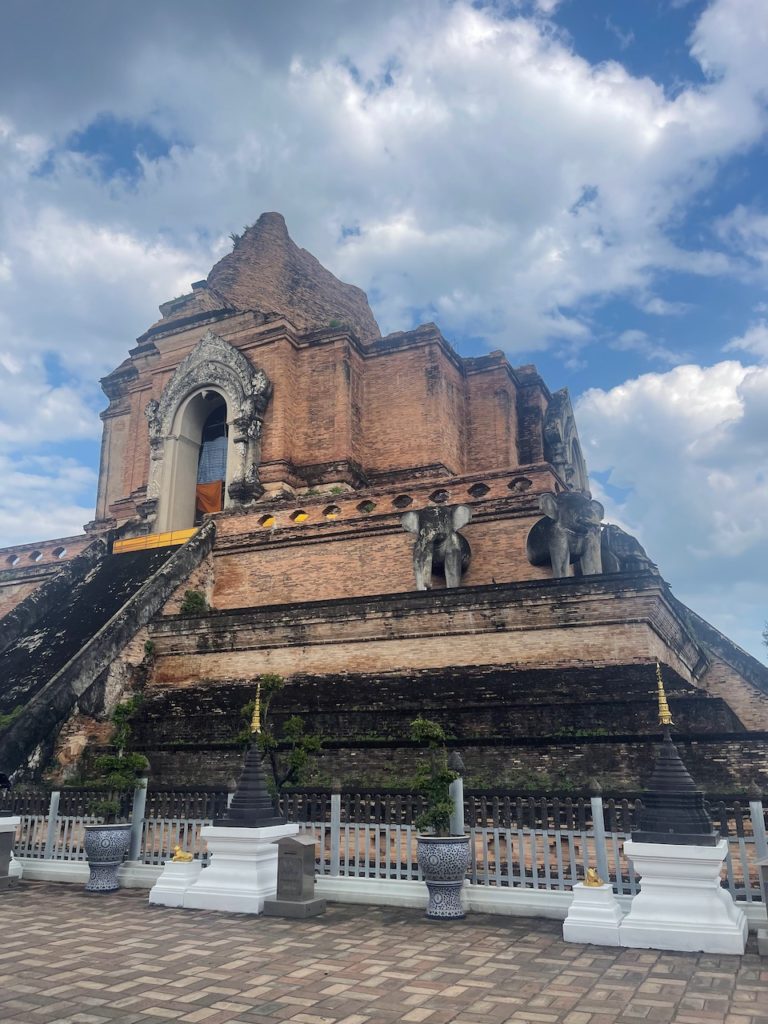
(592,879)
(665,715)
(256,717)
(180,856)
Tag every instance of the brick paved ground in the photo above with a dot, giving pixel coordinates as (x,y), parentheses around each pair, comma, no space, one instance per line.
(74,959)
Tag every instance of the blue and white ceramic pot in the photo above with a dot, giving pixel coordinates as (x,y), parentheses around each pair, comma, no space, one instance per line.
(444,861)
(105,848)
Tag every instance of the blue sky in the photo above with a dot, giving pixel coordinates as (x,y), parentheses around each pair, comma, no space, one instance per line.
(579,183)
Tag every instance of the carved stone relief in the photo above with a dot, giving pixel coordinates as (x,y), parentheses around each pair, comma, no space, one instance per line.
(568,534)
(561,442)
(213,363)
(621,552)
(438,545)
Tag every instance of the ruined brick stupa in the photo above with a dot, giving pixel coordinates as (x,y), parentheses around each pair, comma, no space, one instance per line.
(390,527)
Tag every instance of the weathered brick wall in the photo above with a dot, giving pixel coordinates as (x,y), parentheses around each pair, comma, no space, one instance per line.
(553,623)
(355,554)
(12,593)
(24,567)
(404,404)
(200,580)
(747,701)
(493,422)
(718,765)
(481,701)
(415,407)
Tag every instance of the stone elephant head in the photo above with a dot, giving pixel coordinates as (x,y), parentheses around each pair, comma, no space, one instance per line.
(569,533)
(438,545)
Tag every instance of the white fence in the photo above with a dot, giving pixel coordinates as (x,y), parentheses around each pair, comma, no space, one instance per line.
(530,858)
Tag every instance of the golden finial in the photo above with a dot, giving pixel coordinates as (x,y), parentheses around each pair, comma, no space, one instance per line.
(256,717)
(180,856)
(592,879)
(665,715)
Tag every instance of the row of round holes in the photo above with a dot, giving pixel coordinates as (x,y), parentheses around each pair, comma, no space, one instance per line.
(479,490)
(35,556)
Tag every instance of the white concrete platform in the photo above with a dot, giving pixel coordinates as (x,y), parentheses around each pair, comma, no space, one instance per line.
(177,877)
(681,905)
(593,916)
(242,873)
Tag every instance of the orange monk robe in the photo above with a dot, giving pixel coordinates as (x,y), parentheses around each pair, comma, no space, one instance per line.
(208,497)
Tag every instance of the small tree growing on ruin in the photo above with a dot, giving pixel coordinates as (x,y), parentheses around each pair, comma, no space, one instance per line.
(298,745)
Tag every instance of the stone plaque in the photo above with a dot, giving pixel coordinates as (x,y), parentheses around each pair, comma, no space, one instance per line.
(295,879)
(296,868)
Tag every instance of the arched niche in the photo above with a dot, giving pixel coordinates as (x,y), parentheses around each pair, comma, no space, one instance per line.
(213,373)
(561,442)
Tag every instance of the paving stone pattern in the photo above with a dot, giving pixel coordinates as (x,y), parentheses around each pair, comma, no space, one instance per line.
(70,958)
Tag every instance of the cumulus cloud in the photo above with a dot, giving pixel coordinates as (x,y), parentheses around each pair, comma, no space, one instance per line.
(388,117)
(687,450)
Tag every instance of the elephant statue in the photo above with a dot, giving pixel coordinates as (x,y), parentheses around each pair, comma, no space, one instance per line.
(569,534)
(438,545)
(621,552)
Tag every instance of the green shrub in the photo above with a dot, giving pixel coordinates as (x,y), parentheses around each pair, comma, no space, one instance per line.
(433,776)
(121,719)
(193,603)
(290,769)
(10,717)
(117,775)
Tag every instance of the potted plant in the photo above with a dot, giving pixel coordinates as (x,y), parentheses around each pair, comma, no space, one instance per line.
(107,843)
(443,858)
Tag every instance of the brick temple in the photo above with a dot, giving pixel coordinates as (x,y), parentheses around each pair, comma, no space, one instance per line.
(390,527)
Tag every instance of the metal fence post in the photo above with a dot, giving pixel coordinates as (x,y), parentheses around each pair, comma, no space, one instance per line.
(335,833)
(53,814)
(598,829)
(137,821)
(456,793)
(758,828)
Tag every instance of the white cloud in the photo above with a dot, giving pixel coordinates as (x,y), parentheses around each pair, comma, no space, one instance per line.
(754,340)
(42,498)
(745,231)
(638,341)
(656,306)
(688,447)
(496,177)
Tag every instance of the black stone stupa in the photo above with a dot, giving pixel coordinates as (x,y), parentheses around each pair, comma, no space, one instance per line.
(252,806)
(673,808)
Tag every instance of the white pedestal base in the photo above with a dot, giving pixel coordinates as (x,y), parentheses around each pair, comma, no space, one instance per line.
(15,870)
(243,869)
(593,916)
(8,826)
(177,876)
(681,905)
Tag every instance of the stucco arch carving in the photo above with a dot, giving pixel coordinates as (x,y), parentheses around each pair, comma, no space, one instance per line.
(214,365)
(561,442)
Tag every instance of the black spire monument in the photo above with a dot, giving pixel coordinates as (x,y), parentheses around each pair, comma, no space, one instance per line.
(252,806)
(673,808)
